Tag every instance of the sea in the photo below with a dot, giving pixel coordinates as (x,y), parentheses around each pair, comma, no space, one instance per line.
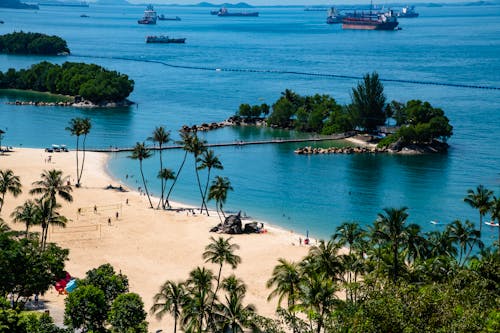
(227,61)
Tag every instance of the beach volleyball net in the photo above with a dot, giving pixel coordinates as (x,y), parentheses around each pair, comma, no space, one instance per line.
(99,209)
(76,232)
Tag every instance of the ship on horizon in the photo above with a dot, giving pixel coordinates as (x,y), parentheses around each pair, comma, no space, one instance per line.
(149,17)
(224,12)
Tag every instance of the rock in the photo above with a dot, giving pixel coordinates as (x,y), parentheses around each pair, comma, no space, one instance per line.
(232,225)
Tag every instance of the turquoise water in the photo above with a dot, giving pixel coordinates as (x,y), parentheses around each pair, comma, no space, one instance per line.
(459,45)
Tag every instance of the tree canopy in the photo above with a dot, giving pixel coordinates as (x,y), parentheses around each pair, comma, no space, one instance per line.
(32,43)
(92,82)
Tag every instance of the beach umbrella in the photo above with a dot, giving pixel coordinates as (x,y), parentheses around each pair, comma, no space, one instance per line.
(71,286)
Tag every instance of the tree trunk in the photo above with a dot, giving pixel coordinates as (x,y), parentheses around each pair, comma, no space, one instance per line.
(2,201)
(205,192)
(83,158)
(210,318)
(395,258)
(162,183)
(77,165)
(177,175)
(145,186)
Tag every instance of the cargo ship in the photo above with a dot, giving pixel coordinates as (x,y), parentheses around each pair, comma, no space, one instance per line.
(149,17)
(334,16)
(165,40)
(370,21)
(224,12)
(407,11)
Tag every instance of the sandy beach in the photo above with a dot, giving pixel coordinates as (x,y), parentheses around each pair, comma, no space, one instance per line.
(149,246)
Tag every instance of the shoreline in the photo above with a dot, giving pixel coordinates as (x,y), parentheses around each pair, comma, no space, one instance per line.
(148,245)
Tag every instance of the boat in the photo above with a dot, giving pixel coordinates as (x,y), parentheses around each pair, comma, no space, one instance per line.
(370,21)
(224,12)
(407,11)
(84,15)
(165,40)
(164,18)
(492,223)
(334,16)
(149,17)
(435,222)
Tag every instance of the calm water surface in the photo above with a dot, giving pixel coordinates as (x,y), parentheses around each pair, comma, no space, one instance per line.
(449,44)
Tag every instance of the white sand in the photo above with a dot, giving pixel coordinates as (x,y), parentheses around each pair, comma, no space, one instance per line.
(149,246)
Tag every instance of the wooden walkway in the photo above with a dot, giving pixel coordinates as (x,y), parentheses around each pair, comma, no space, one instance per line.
(235,143)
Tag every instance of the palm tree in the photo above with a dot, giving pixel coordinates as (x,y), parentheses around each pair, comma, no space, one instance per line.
(221,251)
(233,315)
(208,161)
(9,183)
(480,200)
(26,214)
(197,147)
(165,175)
(218,192)
(75,125)
(186,139)
(465,236)
(417,245)
(392,230)
(170,299)
(46,215)
(79,126)
(233,286)
(324,257)
(495,215)
(86,125)
(140,152)
(285,280)
(349,233)
(196,309)
(161,137)
(317,297)
(53,182)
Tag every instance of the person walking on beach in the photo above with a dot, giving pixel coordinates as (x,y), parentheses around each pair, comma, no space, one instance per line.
(95,209)
(300,241)
(117,215)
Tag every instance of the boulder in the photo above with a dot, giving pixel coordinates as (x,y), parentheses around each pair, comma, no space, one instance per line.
(232,225)
(252,227)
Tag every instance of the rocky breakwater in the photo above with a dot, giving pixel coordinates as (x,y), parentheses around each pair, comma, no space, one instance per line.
(205,127)
(36,103)
(344,150)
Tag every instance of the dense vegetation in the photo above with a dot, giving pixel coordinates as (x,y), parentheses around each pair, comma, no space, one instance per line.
(391,277)
(32,43)
(418,122)
(92,82)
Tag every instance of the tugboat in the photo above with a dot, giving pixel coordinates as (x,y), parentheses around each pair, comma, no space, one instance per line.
(334,16)
(164,40)
(149,16)
(408,11)
(370,21)
(224,12)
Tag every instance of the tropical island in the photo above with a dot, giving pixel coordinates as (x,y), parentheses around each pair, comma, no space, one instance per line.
(416,125)
(16,4)
(32,43)
(90,84)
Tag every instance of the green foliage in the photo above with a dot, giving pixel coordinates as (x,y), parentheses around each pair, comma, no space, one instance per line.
(127,314)
(32,43)
(39,323)
(25,270)
(90,81)
(86,309)
(368,103)
(105,278)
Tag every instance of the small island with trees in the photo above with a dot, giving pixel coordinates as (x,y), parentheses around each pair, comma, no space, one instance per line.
(417,125)
(32,43)
(90,84)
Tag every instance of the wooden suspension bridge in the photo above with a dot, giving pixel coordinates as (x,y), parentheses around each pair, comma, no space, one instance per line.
(236,143)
